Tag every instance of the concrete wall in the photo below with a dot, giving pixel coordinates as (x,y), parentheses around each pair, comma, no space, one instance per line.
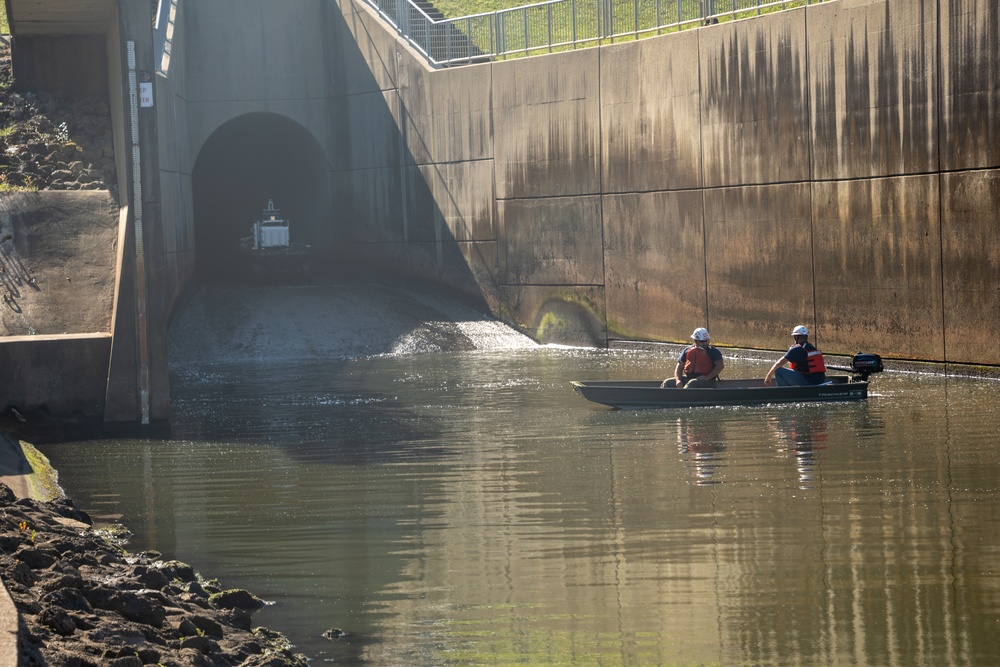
(63,375)
(411,157)
(721,200)
(834,165)
(75,64)
(80,245)
(176,158)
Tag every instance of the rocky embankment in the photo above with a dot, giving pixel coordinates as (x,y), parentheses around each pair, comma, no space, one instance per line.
(83,601)
(53,141)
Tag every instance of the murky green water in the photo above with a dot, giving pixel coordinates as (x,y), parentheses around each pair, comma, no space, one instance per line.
(469,509)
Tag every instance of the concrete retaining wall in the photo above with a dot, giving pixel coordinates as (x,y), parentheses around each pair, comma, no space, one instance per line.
(58,277)
(65,375)
(75,64)
(834,165)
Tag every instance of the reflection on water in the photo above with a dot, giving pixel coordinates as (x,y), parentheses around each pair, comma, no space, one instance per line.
(469,508)
(701,443)
(802,436)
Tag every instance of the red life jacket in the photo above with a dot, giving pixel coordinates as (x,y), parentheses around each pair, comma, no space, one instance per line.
(814,361)
(697,362)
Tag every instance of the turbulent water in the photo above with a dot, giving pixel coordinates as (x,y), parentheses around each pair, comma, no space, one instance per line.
(386,461)
(338,320)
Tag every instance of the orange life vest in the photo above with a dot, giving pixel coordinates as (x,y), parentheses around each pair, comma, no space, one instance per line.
(814,361)
(697,362)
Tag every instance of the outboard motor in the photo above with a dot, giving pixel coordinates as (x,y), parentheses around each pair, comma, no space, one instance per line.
(865,364)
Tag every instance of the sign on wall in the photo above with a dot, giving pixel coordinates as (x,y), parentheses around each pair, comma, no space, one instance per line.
(145,88)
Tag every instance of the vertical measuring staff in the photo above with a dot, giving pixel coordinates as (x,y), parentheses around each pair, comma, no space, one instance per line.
(140,262)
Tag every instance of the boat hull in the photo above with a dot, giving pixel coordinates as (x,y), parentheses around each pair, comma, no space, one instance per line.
(649,394)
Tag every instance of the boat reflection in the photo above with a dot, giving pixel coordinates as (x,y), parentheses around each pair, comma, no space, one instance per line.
(700,442)
(804,437)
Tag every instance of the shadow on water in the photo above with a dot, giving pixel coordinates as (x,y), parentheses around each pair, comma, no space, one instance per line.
(327,418)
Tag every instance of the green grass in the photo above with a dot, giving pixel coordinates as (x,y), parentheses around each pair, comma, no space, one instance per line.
(689,8)
(4,26)
(457,8)
(7,188)
(578,24)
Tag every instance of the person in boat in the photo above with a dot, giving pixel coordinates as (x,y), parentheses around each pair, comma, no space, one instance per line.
(806,365)
(698,365)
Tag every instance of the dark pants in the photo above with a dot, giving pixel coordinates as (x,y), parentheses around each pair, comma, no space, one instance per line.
(691,383)
(786,377)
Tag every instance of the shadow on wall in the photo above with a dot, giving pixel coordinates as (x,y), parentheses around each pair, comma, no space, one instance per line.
(356,206)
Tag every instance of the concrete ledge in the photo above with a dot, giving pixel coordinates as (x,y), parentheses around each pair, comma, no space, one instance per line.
(68,374)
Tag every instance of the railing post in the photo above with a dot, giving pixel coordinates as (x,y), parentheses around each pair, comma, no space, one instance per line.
(708,9)
(501,46)
(403,17)
(573,20)
(524,16)
(601,19)
(468,38)
(549,12)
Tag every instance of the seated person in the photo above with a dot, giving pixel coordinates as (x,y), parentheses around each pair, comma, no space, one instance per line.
(698,365)
(805,361)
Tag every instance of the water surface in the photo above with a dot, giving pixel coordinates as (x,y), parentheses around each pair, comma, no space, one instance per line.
(467,508)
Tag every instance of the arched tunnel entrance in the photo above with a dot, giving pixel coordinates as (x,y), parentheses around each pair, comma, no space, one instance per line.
(243,164)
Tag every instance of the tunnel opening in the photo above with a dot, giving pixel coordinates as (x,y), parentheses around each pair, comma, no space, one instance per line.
(244,164)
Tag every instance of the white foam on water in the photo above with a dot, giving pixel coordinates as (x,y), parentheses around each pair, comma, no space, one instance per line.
(266,324)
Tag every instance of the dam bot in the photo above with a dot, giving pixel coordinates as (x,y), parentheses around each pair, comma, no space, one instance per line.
(269,250)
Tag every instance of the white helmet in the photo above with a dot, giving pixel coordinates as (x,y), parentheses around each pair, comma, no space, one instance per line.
(800,331)
(700,334)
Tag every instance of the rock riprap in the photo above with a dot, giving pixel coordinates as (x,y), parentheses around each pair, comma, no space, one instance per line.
(84,601)
(51,140)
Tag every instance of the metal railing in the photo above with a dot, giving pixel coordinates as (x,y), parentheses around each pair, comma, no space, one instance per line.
(558,25)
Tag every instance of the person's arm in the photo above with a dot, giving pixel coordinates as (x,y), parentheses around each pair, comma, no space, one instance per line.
(769,378)
(716,369)
(677,374)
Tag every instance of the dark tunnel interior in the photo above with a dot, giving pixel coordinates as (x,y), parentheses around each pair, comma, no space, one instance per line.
(246,162)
